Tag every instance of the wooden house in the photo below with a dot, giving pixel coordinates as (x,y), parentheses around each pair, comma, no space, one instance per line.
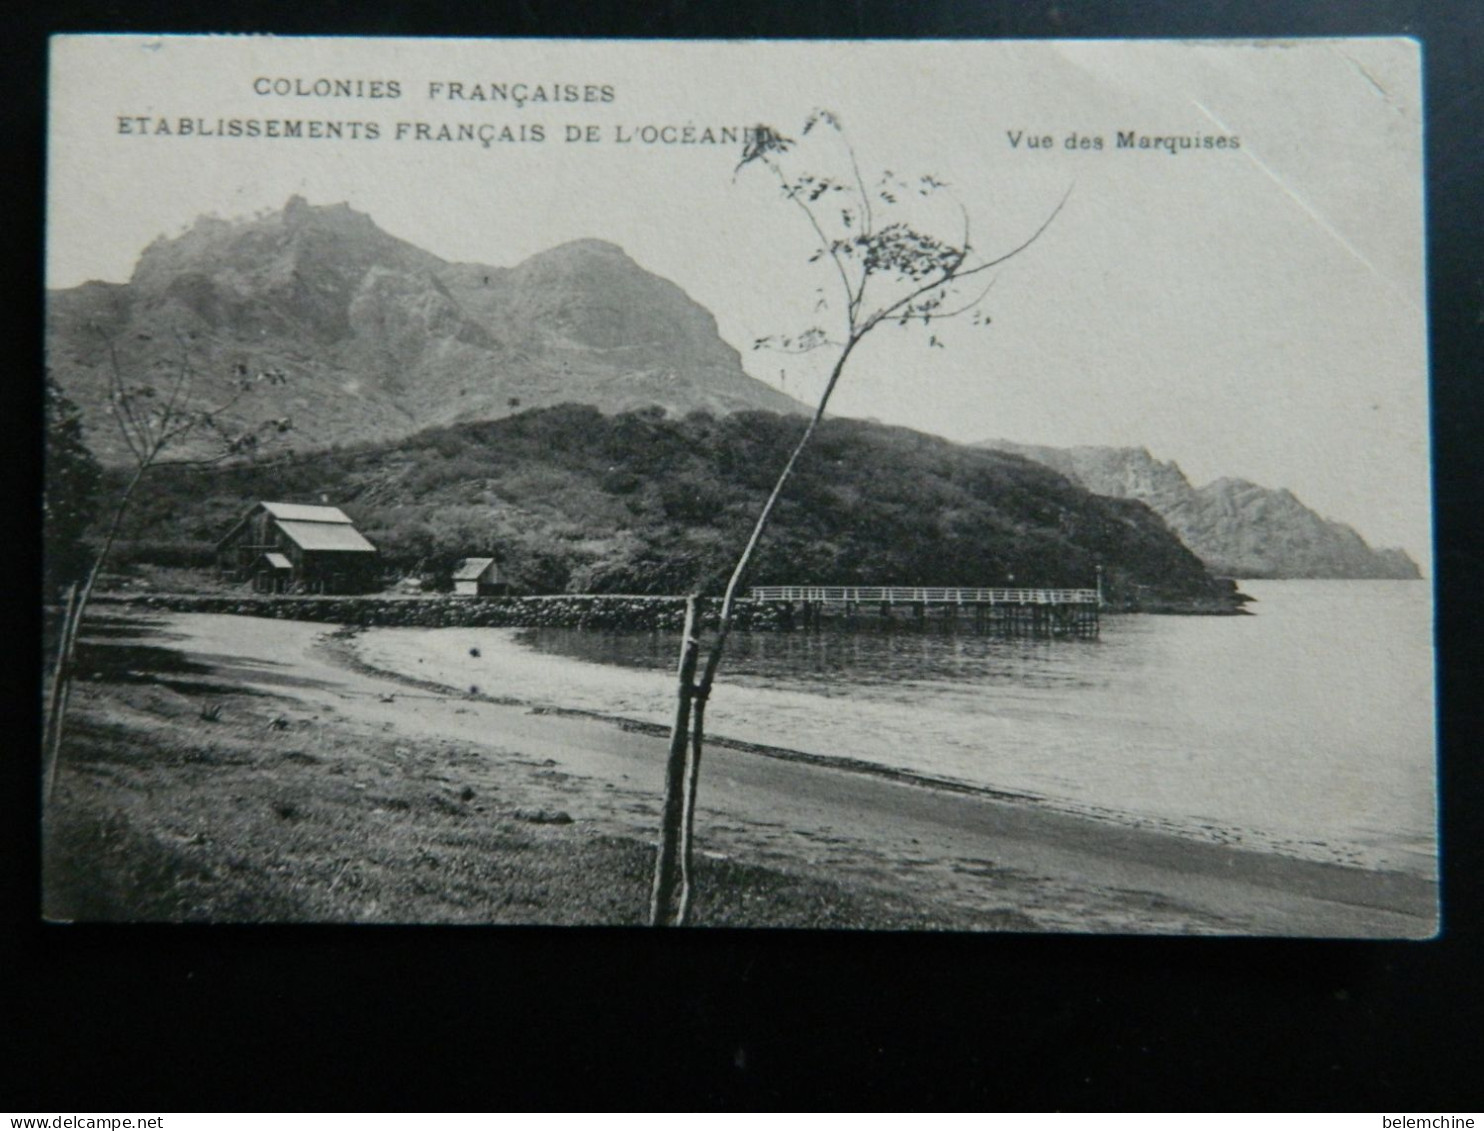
(294,548)
(479,577)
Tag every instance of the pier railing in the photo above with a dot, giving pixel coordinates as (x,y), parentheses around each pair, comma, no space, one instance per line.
(924,595)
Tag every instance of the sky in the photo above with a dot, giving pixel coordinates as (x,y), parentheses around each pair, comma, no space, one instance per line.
(1252,311)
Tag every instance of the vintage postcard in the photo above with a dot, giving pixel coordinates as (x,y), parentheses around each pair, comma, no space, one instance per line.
(901,486)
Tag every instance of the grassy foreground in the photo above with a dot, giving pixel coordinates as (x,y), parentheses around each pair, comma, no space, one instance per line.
(184,801)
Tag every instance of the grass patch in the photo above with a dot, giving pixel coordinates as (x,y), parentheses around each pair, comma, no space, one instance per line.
(271,811)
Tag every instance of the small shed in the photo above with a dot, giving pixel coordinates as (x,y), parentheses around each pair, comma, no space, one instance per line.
(479,577)
(323,550)
(273,573)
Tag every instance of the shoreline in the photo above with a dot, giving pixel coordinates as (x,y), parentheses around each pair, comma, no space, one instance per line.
(1355,885)
(342,641)
(965,850)
(638,698)
(845,764)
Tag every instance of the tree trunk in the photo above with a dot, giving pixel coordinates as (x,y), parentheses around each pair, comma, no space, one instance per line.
(671,894)
(670,901)
(57,694)
(77,607)
(688,817)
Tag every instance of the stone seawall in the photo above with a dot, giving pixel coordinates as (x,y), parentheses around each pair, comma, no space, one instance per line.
(615,613)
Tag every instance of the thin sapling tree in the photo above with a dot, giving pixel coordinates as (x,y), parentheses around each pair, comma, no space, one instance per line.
(166,418)
(899,251)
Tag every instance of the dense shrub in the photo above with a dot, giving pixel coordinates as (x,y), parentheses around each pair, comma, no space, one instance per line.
(70,493)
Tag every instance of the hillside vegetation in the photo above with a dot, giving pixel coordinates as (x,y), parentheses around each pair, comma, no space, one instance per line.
(570,499)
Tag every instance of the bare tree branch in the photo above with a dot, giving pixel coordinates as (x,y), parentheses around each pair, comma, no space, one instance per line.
(119,400)
(826,243)
(147,433)
(936,316)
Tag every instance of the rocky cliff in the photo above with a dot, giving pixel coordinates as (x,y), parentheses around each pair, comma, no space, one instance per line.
(1239,529)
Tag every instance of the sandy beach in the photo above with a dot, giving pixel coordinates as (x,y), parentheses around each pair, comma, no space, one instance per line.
(980,858)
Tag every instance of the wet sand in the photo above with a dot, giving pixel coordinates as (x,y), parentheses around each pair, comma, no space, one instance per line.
(972,850)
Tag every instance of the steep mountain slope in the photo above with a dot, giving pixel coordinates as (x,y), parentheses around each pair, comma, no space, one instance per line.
(1237,528)
(637,502)
(379,338)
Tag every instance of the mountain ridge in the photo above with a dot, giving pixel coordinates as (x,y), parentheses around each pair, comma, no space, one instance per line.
(1237,528)
(379,338)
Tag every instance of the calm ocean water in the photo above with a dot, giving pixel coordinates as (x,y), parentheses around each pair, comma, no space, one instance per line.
(1306,728)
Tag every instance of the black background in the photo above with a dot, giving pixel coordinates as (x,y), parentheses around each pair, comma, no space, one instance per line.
(183,1018)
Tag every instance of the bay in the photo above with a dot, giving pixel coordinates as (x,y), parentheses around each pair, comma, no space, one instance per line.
(1305,727)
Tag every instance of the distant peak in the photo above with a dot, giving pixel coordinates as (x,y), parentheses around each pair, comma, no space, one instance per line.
(1234,483)
(296,205)
(297,210)
(593,245)
(581,249)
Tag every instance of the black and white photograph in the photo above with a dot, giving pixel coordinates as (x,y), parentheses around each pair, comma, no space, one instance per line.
(890,486)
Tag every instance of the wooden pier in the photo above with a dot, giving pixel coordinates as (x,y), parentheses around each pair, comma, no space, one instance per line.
(1003,612)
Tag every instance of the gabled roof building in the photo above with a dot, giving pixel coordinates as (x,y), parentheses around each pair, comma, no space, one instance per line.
(293,547)
(479,577)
